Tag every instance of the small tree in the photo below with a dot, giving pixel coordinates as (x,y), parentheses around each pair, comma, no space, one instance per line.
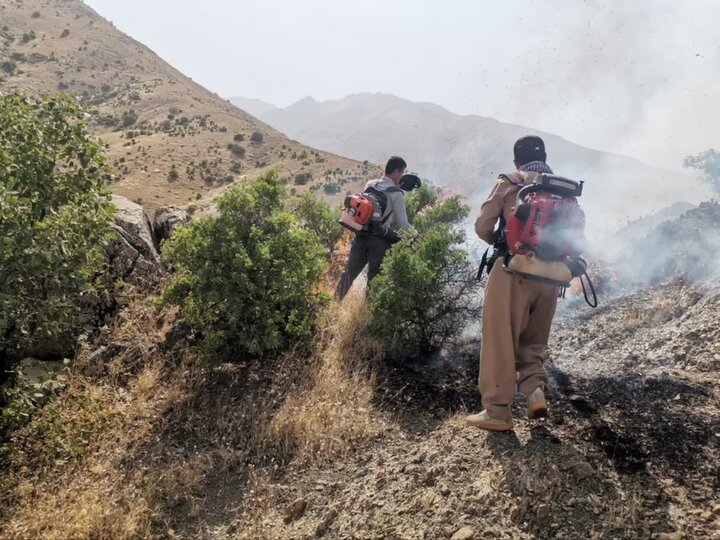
(54,218)
(257,137)
(129,118)
(237,150)
(322,220)
(302,178)
(248,279)
(709,163)
(425,293)
(8,67)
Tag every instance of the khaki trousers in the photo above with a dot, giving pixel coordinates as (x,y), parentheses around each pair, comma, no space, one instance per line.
(517,316)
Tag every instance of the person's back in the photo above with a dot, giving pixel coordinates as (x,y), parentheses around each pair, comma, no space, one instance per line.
(369,247)
(517,312)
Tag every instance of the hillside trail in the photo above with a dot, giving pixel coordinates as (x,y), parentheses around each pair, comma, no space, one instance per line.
(631,448)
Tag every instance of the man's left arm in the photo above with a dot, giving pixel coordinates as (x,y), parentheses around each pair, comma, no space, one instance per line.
(400,218)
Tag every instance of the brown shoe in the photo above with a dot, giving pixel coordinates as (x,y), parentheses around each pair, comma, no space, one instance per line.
(537,406)
(483,420)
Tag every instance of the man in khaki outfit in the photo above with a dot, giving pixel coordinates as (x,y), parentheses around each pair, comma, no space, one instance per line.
(517,313)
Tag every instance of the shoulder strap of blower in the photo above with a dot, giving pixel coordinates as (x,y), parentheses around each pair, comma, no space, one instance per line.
(381,195)
(499,245)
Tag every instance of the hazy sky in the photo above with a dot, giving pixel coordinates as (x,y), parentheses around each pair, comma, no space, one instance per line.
(639,77)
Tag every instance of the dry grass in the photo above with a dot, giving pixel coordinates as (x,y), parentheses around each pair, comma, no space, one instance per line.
(335,412)
(157,442)
(657,312)
(67,469)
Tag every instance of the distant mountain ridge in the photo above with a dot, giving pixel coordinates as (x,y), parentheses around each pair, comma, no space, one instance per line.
(467,153)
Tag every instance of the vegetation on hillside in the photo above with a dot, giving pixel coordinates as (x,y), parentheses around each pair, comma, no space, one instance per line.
(425,293)
(54,219)
(247,279)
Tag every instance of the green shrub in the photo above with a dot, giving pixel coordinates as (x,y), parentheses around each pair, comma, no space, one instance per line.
(426,292)
(239,137)
(331,189)
(8,67)
(129,118)
(302,178)
(54,218)
(247,278)
(418,199)
(322,220)
(708,162)
(237,150)
(257,137)
(65,33)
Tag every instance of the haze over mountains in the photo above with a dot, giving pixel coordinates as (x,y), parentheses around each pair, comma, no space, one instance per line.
(467,153)
(168,138)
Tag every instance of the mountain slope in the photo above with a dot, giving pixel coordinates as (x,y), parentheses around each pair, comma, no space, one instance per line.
(255,107)
(468,152)
(168,137)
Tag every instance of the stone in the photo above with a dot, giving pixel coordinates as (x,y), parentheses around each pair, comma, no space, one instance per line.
(132,218)
(326,521)
(583,470)
(543,512)
(166,219)
(676,535)
(133,255)
(295,510)
(37,371)
(466,533)
(428,500)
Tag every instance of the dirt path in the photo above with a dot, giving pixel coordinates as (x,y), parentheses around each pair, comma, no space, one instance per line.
(631,449)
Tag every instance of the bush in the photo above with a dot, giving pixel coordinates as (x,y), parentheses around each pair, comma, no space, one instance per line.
(237,150)
(248,279)
(322,220)
(708,162)
(302,178)
(54,218)
(257,137)
(426,291)
(129,118)
(8,67)
(331,189)
(65,33)
(239,137)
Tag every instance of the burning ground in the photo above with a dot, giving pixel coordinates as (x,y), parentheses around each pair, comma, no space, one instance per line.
(631,449)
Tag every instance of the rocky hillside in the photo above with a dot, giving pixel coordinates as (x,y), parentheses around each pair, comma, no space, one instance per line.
(141,441)
(170,140)
(467,153)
